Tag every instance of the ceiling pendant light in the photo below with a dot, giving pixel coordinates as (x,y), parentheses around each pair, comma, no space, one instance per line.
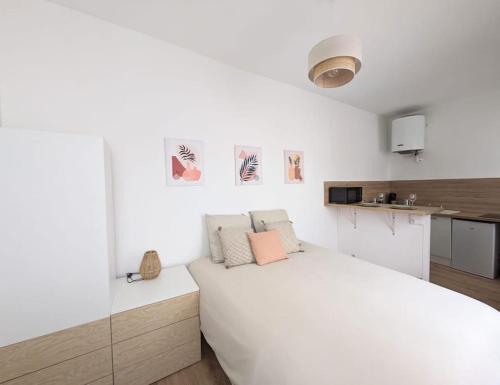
(333,62)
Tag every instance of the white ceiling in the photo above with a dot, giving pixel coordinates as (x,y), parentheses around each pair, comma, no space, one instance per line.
(416,52)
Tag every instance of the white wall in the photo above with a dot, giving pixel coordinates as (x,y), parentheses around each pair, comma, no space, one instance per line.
(462,141)
(66,71)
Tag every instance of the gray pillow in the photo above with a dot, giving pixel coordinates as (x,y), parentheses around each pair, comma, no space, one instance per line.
(224,221)
(267,216)
(236,246)
(285,229)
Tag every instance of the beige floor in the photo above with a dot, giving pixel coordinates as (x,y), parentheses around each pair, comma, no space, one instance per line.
(205,372)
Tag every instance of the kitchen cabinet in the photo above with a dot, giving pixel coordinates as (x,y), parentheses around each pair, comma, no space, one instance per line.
(441,239)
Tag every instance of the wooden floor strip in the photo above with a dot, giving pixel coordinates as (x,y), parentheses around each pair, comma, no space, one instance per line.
(205,372)
(483,289)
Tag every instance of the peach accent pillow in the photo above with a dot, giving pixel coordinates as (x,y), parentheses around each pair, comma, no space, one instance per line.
(267,247)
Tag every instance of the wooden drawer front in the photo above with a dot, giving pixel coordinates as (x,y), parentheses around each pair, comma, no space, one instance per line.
(138,321)
(77,371)
(108,380)
(154,369)
(38,353)
(152,344)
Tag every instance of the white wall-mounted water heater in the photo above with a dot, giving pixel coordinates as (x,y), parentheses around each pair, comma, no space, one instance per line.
(407,134)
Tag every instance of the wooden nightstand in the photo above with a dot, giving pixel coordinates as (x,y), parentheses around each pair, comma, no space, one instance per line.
(155,327)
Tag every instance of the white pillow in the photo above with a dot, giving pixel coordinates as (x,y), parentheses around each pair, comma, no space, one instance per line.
(224,221)
(267,216)
(235,246)
(287,234)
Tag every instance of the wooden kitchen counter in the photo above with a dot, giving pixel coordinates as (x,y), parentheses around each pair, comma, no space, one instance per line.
(416,210)
(469,216)
(424,210)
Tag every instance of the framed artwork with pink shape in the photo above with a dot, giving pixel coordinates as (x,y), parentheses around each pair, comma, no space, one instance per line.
(248,165)
(294,166)
(185,162)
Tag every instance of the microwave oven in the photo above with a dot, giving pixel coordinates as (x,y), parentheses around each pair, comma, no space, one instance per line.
(345,195)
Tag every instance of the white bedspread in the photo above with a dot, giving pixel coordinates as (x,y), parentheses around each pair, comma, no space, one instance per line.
(326,318)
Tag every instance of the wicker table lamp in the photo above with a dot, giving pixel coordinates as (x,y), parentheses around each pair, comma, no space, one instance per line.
(150,265)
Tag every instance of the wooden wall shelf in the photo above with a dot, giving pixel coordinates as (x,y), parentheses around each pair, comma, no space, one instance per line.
(473,195)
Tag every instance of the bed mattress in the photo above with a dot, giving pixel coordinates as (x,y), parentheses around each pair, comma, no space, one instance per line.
(322,317)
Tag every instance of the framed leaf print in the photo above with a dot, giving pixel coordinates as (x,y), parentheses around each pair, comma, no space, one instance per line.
(248,165)
(294,166)
(185,162)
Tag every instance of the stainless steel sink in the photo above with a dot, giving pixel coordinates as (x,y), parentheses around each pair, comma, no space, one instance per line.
(403,207)
(367,204)
(449,212)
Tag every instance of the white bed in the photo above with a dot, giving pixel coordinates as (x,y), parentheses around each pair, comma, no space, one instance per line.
(322,317)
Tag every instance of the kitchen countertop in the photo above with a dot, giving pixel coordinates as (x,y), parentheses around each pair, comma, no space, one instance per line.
(469,215)
(417,210)
(425,210)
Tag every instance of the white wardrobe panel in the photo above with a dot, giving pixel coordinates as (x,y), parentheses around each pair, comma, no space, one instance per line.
(55,232)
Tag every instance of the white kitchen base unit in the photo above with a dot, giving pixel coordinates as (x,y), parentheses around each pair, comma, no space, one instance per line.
(399,240)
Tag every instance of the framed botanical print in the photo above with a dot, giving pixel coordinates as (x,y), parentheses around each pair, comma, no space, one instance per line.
(185,162)
(294,166)
(248,165)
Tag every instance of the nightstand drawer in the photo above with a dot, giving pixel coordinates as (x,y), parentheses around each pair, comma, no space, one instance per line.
(147,318)
(78,371)
(155,343)
(156,368)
